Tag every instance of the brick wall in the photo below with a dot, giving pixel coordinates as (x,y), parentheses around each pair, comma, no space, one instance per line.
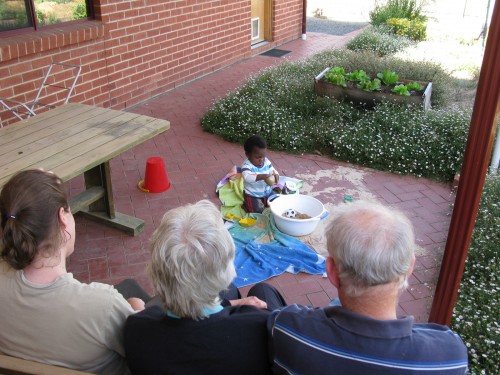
(135,50)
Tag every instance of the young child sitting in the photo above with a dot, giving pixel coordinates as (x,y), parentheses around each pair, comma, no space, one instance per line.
(255,170)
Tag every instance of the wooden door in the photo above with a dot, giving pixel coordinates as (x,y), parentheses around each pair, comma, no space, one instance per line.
(260,20)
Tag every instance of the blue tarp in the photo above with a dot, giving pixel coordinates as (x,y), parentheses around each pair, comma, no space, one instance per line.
(262,251)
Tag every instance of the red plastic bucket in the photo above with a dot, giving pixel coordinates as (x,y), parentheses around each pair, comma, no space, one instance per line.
(155,179)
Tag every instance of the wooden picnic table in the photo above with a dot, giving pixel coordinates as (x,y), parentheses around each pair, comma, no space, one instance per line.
(75,139)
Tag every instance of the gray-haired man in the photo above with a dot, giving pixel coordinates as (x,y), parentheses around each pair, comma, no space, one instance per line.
(371,256)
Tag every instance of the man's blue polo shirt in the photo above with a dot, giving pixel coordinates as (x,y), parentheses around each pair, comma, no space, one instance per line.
(334,340)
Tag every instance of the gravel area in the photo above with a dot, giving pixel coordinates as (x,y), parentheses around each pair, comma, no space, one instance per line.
(326,26)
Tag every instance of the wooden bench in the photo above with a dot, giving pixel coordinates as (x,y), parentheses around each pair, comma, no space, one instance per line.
(77,139)
(17,366)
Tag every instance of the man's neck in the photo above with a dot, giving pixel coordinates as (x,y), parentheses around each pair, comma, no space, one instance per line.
(378,302)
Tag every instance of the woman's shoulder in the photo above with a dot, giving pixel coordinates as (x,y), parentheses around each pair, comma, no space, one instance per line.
(94,292)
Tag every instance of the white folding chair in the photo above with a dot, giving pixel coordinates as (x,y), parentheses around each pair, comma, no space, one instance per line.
(57,86)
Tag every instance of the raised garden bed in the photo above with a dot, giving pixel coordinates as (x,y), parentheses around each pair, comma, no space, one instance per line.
(370,98)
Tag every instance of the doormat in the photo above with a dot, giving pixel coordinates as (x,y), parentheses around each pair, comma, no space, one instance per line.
(275,53)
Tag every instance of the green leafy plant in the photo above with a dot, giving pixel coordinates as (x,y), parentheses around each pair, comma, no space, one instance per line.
(413,29)
(410,9)
(443,85)
(401,90)
(337,70)
(357,76)
(414,86)
(337,76)
(388,77)
(41,17)
(369,85)
(79,11)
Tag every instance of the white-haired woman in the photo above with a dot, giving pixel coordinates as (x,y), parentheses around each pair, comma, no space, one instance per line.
(195,331)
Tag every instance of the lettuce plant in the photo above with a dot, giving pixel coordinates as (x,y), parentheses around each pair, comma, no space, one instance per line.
(401,90)
(388,77)
(336,75)
(414,86)
(369,85)
(357,76)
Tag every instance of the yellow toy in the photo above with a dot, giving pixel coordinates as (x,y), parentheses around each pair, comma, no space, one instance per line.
(244,222)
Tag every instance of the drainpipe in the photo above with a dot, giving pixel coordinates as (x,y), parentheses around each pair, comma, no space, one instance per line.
(304,17)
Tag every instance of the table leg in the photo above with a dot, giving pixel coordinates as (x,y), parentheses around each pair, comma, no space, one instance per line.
(97,203)
(101,176)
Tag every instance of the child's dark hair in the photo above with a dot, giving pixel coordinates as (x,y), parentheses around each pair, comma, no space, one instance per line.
(29,205)
(254,141)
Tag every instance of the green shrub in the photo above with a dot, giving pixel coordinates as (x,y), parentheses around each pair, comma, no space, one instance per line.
(41,17)
(280,104)
(415,30)
(403,139)
(44,19)
(79,11)
(410,9)
(378,40)
(22,19)
(475,316)
(52,18)
(7,12)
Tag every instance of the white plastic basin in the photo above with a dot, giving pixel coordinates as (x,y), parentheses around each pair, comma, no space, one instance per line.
(303,204)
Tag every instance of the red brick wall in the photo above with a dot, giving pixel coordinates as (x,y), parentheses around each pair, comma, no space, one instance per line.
(287,20)
(138,49)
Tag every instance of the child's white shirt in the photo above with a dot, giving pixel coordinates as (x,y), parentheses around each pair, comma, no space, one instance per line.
(249,172)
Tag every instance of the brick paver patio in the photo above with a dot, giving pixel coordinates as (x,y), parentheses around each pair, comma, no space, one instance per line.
(196,161)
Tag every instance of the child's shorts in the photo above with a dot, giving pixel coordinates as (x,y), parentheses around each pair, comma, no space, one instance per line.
(254,204)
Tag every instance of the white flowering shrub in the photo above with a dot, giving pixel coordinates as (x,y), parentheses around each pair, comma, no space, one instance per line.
(404,139)
(379,40)
(280,105)
(477,311)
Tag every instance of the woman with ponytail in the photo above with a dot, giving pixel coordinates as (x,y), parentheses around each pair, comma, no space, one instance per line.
(47,315)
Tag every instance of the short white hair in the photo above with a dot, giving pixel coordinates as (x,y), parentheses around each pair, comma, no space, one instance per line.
(371,245)
(192,259)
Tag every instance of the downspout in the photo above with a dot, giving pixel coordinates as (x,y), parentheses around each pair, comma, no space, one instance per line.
(304,18)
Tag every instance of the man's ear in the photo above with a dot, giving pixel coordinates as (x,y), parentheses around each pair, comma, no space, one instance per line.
(332,272)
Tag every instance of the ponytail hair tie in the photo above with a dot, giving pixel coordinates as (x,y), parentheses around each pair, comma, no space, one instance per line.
(10,216)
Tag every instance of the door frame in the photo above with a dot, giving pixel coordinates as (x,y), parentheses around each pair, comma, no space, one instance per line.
(267,23)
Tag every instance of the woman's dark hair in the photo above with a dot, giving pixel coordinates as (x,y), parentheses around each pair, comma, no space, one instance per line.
(254,141)
(29,205)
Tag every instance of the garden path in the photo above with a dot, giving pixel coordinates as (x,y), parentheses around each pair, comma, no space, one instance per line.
(196,161)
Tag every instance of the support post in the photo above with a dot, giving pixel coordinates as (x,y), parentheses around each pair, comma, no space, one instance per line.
(477,154)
